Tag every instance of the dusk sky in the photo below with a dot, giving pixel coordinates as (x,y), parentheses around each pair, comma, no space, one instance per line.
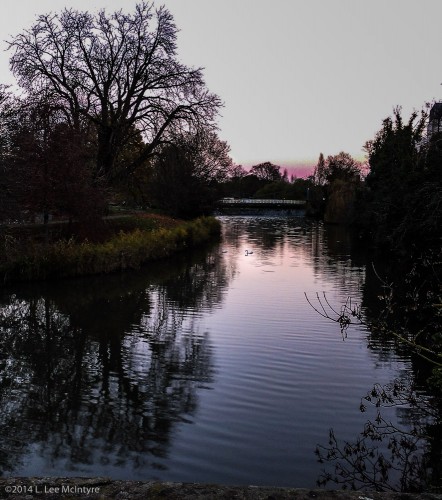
(298,77)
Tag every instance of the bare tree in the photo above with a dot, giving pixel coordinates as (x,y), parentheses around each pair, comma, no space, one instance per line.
(187,172)
(8,197)
(208,153)
(119,71)
(237,172)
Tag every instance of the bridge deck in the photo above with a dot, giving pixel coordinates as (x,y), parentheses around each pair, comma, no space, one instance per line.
(251,205)
(251,202)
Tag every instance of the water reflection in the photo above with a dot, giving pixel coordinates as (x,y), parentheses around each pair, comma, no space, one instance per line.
(93,375)
(109,376)
(404,453)
(329,250)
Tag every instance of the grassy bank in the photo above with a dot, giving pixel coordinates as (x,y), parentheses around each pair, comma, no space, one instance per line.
(138,241)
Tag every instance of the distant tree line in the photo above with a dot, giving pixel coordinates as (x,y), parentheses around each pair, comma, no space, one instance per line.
(265,180)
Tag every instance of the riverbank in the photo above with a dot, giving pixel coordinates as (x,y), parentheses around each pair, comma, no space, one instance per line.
(103,488)
(139,241)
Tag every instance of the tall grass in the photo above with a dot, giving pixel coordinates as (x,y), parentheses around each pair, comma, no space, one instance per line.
(126,250)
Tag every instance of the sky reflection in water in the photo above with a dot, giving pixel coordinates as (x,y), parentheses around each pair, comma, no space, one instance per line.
(207,368)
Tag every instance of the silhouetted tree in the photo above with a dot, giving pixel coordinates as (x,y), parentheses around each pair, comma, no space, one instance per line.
(392,154)
(395,174)
(341,166)
(55,160)
(237,172)
(250,184)
(131,189)
(209,154)
(120,71)
(319,173)
(9,204)
(266,171)
(186,175)
(233,186)
(299,189)
(339,177)
(423,217)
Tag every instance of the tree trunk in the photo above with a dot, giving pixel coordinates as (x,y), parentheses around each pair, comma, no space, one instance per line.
(105,153)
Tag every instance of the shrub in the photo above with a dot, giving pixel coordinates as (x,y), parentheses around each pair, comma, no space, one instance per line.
(126,250)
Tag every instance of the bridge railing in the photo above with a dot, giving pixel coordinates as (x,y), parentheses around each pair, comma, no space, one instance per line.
(258,201)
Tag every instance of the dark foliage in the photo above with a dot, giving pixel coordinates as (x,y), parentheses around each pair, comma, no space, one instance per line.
(266,172)
(401,208)
(385,457)
(176,188)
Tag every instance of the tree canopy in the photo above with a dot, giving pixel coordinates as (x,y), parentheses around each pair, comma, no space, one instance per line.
(266,171)
(341,167)
(404,183)
(393,153)
(120,72)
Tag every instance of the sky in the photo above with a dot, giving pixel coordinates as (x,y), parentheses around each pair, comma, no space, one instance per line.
(297,77)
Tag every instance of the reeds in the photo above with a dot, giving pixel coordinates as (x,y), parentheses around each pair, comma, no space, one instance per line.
(125,250)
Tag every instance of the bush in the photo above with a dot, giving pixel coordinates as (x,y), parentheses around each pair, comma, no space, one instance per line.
(126,250)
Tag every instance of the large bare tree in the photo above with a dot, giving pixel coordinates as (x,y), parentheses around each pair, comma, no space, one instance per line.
(119,71)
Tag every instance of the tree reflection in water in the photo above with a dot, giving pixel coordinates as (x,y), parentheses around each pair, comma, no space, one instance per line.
(99,371)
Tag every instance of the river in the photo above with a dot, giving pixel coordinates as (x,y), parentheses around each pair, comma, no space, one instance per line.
(210,367)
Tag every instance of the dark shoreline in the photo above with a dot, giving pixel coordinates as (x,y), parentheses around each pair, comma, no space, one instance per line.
(21,488)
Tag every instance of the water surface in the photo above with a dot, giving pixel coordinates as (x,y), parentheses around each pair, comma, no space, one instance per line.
(205,368)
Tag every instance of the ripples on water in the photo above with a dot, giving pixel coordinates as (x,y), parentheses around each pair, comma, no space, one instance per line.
(210,369)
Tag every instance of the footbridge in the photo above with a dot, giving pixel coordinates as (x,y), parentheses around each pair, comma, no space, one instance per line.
(252,204)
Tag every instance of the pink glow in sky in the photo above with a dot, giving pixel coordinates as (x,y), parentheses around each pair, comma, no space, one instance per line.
(299,170)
